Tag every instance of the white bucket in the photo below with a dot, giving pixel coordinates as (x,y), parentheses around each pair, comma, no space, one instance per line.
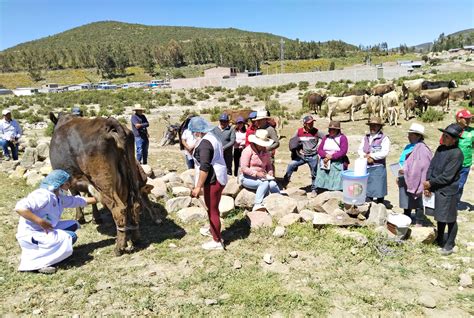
(354,188)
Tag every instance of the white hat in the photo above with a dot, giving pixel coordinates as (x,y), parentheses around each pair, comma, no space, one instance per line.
(138,107)
(417,129)
(5,111)
(262,114)
(261,138)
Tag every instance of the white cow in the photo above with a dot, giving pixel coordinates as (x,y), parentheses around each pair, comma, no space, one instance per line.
(389,100)
(411,86)
(345,104)
(374,105)
(393,113)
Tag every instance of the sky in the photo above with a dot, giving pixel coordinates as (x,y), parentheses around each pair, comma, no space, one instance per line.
(357,22)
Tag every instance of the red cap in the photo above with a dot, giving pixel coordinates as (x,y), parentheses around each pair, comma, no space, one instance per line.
(463,113)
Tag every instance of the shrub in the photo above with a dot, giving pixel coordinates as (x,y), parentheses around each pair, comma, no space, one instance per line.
(337,89)
(432,115)
(243,90)
(468,59)
(178,74)
(303,85)
(332,66)
(320,84)
(49,129)
(185,102)
(222,99)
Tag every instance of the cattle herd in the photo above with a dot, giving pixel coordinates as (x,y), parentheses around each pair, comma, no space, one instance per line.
(385,101)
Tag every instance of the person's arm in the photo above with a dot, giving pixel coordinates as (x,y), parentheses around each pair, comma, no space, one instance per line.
(245,162)
(18,131)
(77,201)
(231,140)
(382,153)
(30,216)
(268,164)
(343,148)
(272,134)
(450,167)
(33,202)
(206,152)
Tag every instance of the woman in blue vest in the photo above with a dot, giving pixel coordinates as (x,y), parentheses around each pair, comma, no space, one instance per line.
(375,147)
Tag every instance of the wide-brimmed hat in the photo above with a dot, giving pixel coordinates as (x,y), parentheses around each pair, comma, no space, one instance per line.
(417,129)
(263,114)
(199,124)
(334,124)
(138,107)
(454,130)
(261,138)
(5,112)
(375,121)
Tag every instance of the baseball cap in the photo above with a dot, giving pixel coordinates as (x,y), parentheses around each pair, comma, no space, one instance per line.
(224,117)
(240,119)
(252,115)
(464,113)
(5,111)
(308,119)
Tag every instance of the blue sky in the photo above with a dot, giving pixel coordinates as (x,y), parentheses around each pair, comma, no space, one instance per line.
(356,22)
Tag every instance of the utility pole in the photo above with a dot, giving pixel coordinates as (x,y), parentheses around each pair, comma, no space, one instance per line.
(282,55)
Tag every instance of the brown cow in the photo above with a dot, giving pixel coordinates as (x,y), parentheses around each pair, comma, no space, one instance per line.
(381,89)
(315,100)
(439,96)
(100,151)
(356,92)
(459,93)
(410,105)
(236,113)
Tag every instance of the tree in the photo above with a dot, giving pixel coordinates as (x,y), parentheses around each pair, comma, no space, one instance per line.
(105,62)
(175,53)
(148,62)
(332,66)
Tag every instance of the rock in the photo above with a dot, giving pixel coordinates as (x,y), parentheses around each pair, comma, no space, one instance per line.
(181,191)
(322,219)
(34,177)
(427,301)
(465,280)
(259,219)
(325,196)
(232,187)
(188,177)
(359,237)
(377,214)
(302,203)
(46,170)
(434,282)
(172,245)
(293,254)
(307,215)
(198,202)
(37,311)
(226,205)
(337,212)
(148,171)
(289,219)
(295,192)
(18,173)
(278,205)
(279,231)
(210,302)
(176,204)
(192,214)
(268,258)
(29,157)
(237,264)
(245,199)
(8,166)
(43,151)
(331,205)
(426,235)
(357,210)
(159,188)
(171,177)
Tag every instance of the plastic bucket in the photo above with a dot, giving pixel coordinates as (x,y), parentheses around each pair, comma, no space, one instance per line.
(354,188)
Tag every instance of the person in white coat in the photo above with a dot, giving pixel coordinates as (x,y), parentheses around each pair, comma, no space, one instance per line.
(44,238)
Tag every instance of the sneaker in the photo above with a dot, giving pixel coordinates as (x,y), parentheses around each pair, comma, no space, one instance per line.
(446,252)
(205,231)
(47,270)
(259,207)
(7,158)
(213,245)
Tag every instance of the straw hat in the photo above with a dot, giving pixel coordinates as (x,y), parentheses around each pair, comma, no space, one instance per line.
(417,129)
(261,138)
(375,121)
(263,114)
(333,124)
(138,107)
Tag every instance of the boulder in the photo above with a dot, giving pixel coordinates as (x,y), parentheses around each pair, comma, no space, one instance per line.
(268,258)
(279,231)
(232,187)
(159,188)
(278,205)
(357,209)
(322,198)
(331,205)
(226,205)
(148,171)
(176,204)
(377,214)
(322,219)
(289,219)
(192,214)
(427,301)
(188,177)
(29,157)
(426,235)
(18,173)
(45,170)
(198,202)
(295,192)
(181,191)
(301,203)
(465,280)
(33,177)
(171,177)
(43,151)
(356,236)
(259,219)
(307,215)
(9,166)
(245,199)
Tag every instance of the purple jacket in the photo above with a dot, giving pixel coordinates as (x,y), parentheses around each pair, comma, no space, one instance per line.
(377,142)
(338,154)
(416,167)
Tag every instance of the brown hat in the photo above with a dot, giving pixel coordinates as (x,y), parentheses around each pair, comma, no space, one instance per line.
(375,121)
(333,124)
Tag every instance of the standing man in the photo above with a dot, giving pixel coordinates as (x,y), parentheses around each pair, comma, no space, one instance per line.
(463,118)
(139,129)
(10,133)
(226,136)
(309,137)
(375,147)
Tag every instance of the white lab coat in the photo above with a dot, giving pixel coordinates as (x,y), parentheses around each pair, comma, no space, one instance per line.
(54,246)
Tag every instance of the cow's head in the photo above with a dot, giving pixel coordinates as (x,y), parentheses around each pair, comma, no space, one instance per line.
(453,84)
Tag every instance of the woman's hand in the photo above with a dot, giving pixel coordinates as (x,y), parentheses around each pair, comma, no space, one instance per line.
(370,159)
(426,185)
(45,225)
(427,193)
(325,160)
(261,174)
(401,172)
(196,191)
(328,157)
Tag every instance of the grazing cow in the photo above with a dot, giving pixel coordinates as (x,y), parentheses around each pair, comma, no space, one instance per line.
(393,113)
(435,97)
(356,92)
(409,106)
(438,84)
(459,94)
(374,106)
(382,89)
(411,86)
(315,100)
(100,152)
(345,104)
(389,100)
(236,113)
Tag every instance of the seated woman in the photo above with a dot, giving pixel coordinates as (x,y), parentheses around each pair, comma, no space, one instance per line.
(256,168)
(45,240)
(414,162)
(333,160)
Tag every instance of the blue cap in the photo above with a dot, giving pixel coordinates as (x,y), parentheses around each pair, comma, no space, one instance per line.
(54,180)
(308,119)
(224,117)
(199,124)
(76,111)
(240,119)
(252,115)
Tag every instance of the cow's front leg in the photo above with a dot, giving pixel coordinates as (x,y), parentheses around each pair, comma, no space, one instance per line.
(120,242)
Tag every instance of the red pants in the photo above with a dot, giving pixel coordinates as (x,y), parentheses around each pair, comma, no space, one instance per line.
(212,197)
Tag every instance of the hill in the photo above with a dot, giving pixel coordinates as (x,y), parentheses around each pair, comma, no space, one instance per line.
(446,42)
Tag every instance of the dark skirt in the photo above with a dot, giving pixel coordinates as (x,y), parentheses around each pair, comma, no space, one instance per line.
(377,182)
(445,207)
(406,200)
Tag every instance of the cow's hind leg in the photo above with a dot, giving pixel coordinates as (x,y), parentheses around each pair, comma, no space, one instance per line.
(96,214)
